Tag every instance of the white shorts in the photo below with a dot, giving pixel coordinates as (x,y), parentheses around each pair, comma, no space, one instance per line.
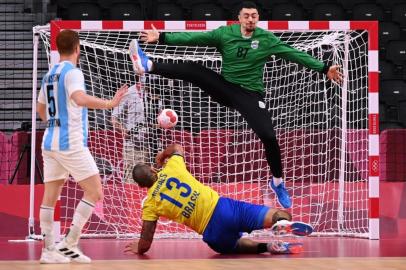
(59,164)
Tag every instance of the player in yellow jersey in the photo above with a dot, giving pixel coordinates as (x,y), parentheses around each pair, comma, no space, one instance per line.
(175,194)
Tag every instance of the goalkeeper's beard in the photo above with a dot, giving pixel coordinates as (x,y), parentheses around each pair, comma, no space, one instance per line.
(250,28)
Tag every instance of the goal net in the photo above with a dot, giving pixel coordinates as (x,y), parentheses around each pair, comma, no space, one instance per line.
(322,129)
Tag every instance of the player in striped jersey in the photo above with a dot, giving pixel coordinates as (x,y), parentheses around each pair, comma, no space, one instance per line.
(62,104)
(175,194)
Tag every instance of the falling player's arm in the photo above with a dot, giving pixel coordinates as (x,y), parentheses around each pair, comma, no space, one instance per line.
(149,220)
(147,235)
(173,149)
(142,245)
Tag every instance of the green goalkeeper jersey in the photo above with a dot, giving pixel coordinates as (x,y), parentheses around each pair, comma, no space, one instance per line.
(244,58)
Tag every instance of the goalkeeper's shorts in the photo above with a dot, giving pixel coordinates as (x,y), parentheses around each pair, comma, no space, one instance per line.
(229,220)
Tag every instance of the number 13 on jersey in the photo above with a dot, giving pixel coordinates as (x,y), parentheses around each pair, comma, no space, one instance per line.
(185,192)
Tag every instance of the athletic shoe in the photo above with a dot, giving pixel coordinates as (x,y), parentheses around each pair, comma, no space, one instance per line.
(281,247)
(52,256)
(72,252)
(138,58)
(283,227)
(281,194)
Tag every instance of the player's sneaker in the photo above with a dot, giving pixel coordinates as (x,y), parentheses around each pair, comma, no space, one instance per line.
(138,58)
(281,194)
(52,256)
(283,227)
(72,252)
(281,247)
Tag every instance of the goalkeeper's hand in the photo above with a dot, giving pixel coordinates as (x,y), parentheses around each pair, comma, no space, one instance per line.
(150,36)
(334,74)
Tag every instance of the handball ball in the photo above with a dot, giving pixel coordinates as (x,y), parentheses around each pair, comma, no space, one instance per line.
(167,118)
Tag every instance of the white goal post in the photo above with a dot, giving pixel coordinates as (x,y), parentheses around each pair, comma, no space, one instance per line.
(328,133)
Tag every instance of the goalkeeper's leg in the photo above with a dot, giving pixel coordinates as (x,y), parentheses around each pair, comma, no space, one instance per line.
(208,80)
(252,107)
(249,103)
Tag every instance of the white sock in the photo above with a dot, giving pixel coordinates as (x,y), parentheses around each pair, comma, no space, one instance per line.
(275,246)
(149,65)
(82,214)
(46,223)
(277,180)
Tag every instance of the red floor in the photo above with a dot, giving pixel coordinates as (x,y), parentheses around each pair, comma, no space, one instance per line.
(112,249)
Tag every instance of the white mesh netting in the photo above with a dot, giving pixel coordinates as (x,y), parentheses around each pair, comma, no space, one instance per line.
(322,130)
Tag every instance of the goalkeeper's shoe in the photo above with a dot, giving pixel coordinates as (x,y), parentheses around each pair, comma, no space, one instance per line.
(281,194)
(281,247)
(283,227)
(72,252)
(52,256)
(138,58)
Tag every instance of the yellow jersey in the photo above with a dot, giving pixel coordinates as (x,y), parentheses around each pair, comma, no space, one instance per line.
(178,196)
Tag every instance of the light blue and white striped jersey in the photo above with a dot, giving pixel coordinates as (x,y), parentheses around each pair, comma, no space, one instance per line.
(66,121)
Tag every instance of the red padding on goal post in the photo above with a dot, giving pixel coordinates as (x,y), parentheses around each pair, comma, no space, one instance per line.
(319,25)
(373,82)
(232,22)
(112,24)
(373,207)
(157,24)
(372,27)
(278,25)
(57,26)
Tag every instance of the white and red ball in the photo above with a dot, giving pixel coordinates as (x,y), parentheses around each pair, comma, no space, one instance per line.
(167,118)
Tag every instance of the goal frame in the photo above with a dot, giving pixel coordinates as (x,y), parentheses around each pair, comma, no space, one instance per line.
(373,84)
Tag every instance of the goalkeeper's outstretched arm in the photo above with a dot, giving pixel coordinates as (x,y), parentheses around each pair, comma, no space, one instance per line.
(287,52)
(210,38)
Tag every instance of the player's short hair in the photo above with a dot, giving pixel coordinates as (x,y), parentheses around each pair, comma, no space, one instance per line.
(247,4)
(67,41)
(143,175)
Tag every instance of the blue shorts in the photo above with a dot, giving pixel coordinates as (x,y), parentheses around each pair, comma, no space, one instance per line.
(229,220)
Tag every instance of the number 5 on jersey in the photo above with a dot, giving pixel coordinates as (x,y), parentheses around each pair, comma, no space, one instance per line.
(51,100)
